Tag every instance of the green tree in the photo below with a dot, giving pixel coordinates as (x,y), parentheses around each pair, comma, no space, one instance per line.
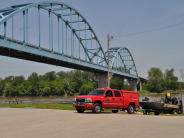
(34,80)
(87,87)
(155,76)
(44,89)
(1,88)
(172,80)
(7,89)
(61,74)
(117,83)
(50,76)
(17,80)
(169,74)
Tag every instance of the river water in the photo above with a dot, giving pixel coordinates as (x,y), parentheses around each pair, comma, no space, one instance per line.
(70,99)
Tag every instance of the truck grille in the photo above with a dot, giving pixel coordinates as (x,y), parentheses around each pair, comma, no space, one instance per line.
(80,100)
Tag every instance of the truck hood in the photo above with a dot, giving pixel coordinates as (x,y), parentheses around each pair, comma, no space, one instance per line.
(87,96)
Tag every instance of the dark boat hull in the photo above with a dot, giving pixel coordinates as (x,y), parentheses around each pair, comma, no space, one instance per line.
(158,106)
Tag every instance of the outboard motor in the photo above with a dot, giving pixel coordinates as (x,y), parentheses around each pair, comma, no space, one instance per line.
(174,101)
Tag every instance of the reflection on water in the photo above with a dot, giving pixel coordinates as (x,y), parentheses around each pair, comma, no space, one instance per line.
(70,99)
(44,99)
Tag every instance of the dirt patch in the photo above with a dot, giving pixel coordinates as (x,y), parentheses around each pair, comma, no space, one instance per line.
(125,112)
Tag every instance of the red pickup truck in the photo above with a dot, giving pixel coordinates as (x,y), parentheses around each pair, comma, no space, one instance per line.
(111,99)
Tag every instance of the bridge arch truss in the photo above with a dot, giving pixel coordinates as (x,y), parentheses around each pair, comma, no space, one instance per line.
(121,60)
(94,59)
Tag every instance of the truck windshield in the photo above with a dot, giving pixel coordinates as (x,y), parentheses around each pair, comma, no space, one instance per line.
(97,92)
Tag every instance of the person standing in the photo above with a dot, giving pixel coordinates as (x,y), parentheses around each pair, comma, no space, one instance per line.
(180,103)
(167,97)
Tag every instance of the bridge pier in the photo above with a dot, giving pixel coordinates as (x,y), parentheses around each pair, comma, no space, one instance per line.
(133,84)
(102,80)
(140,86)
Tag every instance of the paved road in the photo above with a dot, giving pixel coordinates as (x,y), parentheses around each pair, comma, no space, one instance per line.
(43,123)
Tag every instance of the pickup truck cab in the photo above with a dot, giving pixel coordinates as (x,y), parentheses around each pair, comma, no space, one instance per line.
(111,99)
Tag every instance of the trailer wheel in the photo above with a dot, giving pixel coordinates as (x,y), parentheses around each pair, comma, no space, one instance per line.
(156,113)
(175,112)
(80,110)
(114,111)
(131,109)
(145,112)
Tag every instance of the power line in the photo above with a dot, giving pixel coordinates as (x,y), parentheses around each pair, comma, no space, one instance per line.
(151,30)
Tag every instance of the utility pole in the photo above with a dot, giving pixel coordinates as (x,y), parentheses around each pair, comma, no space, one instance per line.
(108,62)
(108,75)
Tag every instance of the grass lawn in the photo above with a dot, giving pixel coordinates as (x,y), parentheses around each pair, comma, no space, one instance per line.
(41,106)
(45,106)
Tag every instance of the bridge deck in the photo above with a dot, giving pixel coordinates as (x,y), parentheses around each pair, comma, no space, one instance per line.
(16,49)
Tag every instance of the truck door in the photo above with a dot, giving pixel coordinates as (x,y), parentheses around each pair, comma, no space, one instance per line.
(118,99)
(109,99)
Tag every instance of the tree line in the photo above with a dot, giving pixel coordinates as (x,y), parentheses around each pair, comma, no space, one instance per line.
(70,83)
(159,81)
(78,82)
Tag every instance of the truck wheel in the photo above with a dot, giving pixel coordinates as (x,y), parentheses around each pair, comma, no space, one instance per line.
(156,113)
(131,109)
(114,111)
(80,110)
(97,108)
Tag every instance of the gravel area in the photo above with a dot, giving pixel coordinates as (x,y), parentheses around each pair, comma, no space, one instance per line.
(48,123)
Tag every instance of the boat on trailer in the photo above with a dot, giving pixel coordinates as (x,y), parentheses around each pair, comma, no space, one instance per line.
(158,108)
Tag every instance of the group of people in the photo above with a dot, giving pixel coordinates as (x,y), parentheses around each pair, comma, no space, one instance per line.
(168,100)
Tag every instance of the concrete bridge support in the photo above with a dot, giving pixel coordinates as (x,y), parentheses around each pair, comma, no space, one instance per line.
(102,80)
(133,84)
(140,86)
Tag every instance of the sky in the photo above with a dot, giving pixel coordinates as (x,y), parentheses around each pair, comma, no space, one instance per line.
(162,48)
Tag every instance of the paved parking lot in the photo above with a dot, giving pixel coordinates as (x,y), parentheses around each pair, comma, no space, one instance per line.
(46,123)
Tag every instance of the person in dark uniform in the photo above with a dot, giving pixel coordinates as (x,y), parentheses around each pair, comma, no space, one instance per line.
(167,97)
(180,104)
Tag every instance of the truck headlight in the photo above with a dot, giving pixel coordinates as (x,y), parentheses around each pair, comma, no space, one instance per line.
(88,100)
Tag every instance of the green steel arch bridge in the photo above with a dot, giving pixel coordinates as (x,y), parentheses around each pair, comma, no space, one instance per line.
(71,26)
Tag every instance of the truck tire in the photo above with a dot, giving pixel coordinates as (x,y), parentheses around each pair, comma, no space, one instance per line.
(80,110)
(97,108)
(131,109)
(114,111)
